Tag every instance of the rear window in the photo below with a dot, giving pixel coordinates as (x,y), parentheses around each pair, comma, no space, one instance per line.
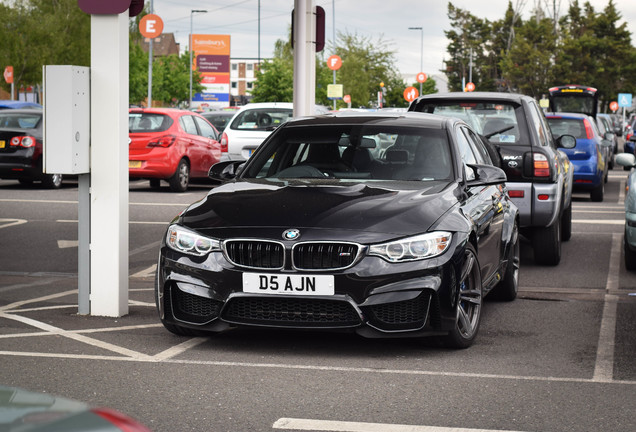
(148,122)
(562,126)
(261,118)
(498,122)
(19,121)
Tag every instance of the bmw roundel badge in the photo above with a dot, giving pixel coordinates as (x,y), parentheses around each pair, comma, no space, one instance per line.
(291,234)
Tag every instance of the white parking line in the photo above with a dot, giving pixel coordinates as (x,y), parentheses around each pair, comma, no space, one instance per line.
(599,221)
(4,223)
(346,426)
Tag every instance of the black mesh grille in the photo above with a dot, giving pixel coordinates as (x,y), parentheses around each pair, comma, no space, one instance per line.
(324,256)
(192,308)
(292,312)
(403,314)
(255,254)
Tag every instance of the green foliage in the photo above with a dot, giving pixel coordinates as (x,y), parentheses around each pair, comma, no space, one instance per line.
(171,80)
(138,74)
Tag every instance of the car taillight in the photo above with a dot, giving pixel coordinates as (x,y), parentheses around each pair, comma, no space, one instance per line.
(163,141)
(224,143)
(541,165)
(588,129)
(121,421)
(23,141)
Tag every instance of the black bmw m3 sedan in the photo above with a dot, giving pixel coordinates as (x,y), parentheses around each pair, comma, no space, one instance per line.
(386,224)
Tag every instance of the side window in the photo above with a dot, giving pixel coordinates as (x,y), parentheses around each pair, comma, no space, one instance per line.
(537,124)
(205,128)
(468,157)
(480,151)
(187,123)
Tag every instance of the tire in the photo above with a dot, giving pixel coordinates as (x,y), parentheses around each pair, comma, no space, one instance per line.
(598,192)
(508,288)
(546,243)
(469,303)
(566,223)
(181,178)
(155,183)
(52,181)
(630,256)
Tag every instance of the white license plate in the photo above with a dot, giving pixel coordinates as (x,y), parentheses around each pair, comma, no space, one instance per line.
(295,284)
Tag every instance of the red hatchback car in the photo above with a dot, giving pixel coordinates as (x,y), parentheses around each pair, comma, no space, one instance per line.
(172,145)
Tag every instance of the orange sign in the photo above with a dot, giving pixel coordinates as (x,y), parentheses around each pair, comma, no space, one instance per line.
(334,62)
(8,74)
(614,106)
(410,94)
(421,77)
(212,60)
(346,98)
(470,87)
(151,26)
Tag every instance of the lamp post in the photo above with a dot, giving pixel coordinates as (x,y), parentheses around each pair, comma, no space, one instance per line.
(421,29)
(192,12)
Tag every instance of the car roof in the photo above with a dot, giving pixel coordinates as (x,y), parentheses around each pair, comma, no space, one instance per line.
(410,119)
(19,111)
(513,97)
(13,104)
(160,110)
(567,115)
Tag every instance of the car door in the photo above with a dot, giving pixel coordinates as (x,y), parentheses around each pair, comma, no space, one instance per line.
(484,204)
(209,139)
(195,147)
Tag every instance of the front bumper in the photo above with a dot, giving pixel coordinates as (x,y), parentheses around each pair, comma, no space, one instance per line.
(373,297)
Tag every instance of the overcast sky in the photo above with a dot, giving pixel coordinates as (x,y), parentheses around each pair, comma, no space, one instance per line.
(375,19)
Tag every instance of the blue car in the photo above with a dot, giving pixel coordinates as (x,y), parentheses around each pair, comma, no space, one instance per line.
(629,162)
(13,104)
(590,156)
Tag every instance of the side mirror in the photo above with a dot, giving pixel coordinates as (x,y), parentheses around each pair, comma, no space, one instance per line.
(226,170)
(487,175)
(626,160)
(566,141)
(618,131)
(633,138)
(609,136)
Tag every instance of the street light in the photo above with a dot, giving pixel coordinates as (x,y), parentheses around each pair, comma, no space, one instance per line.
(192,12)
(421,29)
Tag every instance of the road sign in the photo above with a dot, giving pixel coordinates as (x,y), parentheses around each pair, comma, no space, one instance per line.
(8,74)
(334,91)
(150,26)
(614,106)
(470,87)
(410,94)
(421,77)
(334,62)
(625,100)
(347,98)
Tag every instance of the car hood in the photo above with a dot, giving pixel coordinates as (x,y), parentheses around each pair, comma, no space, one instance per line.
(362,212)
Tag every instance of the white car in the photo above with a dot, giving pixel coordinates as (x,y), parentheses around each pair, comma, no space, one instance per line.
(252,124)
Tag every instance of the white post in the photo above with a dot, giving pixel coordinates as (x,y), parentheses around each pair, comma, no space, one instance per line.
(304,58)
(109,165)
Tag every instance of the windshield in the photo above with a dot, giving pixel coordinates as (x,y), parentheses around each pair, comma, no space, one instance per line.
(498,122)
(562,126)
(148,122)
(19,120)
(354,152)
(573,103)
(261,118)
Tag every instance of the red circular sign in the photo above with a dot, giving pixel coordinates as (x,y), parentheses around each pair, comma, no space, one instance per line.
(614,106)
(410,94)
(8,74)
(470,87)
(151,26)
(421,77)
(346,98)
(334,62)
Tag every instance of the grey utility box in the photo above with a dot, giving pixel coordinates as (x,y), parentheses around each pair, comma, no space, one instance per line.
(67,110)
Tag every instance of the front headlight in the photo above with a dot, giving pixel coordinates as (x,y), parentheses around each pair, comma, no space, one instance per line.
(419,247)
(186,241)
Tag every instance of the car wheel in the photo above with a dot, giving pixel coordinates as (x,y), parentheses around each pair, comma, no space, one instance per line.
(598,192)
(52,181)
(546,242)
(508,288)
(469,303)
(566,223)
(179,181)
(155,183)
(630,256)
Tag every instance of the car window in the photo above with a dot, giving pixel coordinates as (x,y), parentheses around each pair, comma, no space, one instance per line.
(564,126)
(466,152)
(261,118)
(348,152)
(187,123)
(148,122)
(19,121)
(498,121)
(205,128)
(480,152)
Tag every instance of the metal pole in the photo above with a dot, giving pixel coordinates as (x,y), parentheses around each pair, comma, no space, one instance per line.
(150,57)
(333,7)
(259,32)
(421,29)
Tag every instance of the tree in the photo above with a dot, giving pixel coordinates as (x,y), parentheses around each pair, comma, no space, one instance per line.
(171,79)
(137,73)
